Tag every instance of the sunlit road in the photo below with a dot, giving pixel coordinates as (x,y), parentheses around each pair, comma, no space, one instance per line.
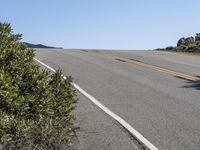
(157,93)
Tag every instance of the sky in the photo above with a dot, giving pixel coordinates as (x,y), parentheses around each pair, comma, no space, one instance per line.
(103,24)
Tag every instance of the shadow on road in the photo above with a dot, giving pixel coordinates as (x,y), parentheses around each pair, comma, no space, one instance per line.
(193,84)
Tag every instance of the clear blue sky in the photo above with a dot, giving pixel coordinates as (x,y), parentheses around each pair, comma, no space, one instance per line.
(126,24)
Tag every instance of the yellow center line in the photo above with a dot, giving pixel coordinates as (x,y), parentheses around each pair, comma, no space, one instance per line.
(160,69)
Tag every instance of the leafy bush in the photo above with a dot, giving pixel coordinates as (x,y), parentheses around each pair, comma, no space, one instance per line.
(170,48)
(35,105)
(180,41)
(189,44)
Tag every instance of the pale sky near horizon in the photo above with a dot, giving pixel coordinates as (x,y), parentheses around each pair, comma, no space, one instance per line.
(110,24)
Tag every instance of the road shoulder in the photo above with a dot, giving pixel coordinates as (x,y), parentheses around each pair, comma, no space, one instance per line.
(95,130)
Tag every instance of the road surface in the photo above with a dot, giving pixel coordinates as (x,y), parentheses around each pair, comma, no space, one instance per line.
(157,93)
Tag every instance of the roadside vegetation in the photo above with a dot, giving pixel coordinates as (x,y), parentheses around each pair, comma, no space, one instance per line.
(188,45)
(35,105)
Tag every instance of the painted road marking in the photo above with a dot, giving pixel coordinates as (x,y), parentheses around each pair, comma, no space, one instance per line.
(157,68)
(121,121)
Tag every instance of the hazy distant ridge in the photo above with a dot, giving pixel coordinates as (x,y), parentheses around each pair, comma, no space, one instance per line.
(39,46)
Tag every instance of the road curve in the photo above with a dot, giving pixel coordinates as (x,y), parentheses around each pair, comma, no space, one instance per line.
(163,107)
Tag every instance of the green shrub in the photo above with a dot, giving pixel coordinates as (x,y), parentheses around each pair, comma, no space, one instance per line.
(189,44)
(170,48)
(180,41)
(35,105)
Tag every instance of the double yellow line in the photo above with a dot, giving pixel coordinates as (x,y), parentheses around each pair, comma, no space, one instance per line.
(157,68)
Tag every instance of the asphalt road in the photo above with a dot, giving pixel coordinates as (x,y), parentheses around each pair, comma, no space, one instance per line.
(163,107)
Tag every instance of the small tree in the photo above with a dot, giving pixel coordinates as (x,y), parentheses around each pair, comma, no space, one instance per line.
(35,105)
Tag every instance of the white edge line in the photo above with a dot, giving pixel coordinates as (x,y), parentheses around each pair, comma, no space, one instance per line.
(134,132)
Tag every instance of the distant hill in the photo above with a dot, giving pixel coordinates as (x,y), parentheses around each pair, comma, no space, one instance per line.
(39,46)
